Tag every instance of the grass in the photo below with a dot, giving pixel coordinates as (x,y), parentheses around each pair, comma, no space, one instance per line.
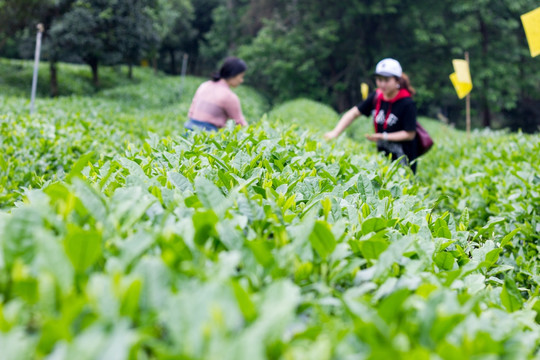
(305,112)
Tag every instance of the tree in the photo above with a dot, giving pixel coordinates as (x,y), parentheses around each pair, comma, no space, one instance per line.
(503,72)
(55,10)
(325,51)
(312,49)
(88,30)
(174,21)
(16,15)
(228,31)
(135,30)
(18,20)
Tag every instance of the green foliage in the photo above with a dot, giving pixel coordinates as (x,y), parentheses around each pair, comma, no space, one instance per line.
(173,21)
(306,113)
(492,33)
(88,30)
(135,29)
(278,56)
(262,242)
(16,79)
(14,15)
(69,127)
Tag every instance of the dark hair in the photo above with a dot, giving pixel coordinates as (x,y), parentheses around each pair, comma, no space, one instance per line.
(405,83)
(231,67)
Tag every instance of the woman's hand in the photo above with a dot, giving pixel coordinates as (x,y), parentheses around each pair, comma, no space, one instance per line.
(331,135)
(374,137)
(343,123)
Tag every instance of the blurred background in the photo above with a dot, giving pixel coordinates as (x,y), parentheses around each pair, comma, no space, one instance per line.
(314,49)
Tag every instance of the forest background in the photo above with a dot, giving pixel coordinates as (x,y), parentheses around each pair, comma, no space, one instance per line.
(315,49)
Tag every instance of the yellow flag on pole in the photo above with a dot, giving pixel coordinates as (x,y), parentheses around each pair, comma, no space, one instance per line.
(461,67)
(462,89)
(531,24)
(461,78)
(364,88)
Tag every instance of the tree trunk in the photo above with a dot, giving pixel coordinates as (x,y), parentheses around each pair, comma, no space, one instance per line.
(232,34)
(296,13)
(173,62)
(486,113)
(54,78)
(95,74)
(342,101)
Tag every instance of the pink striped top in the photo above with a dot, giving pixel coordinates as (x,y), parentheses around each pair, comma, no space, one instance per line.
(215,103)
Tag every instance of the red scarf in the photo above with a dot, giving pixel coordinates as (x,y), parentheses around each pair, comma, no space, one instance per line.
(402,93)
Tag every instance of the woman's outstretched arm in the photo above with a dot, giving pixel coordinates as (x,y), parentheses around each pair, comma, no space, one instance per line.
(343,123)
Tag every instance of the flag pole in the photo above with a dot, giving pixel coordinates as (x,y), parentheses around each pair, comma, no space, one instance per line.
(468,101)
(36,67)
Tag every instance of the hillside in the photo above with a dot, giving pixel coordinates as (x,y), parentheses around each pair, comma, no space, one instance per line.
(122,238)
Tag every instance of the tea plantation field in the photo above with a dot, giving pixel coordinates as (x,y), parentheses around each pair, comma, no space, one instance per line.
(121,237)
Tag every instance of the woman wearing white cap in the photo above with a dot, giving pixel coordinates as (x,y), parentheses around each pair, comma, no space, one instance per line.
(394,113)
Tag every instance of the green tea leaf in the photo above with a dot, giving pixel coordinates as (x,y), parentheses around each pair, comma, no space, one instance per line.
(130,299)
(508,237)
(373,225)
(91,200)
(27,289)
(510,296)
(83,247)
(205,225)
(244,301)
(441,230)
(444,260)
(322,239)
(372,248)
(3,163)
(365,188)
(261,251)
(392,304)
(211,196)
(464,219)
(492,257)
(18,235)
(81,163)
(179,181)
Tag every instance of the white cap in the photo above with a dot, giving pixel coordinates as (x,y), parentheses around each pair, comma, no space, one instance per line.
(388,67)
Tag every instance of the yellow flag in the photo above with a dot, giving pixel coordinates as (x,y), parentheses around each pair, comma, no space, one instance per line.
(461,78)
(531,24)
(462,89)
(365,90)
(461,67)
